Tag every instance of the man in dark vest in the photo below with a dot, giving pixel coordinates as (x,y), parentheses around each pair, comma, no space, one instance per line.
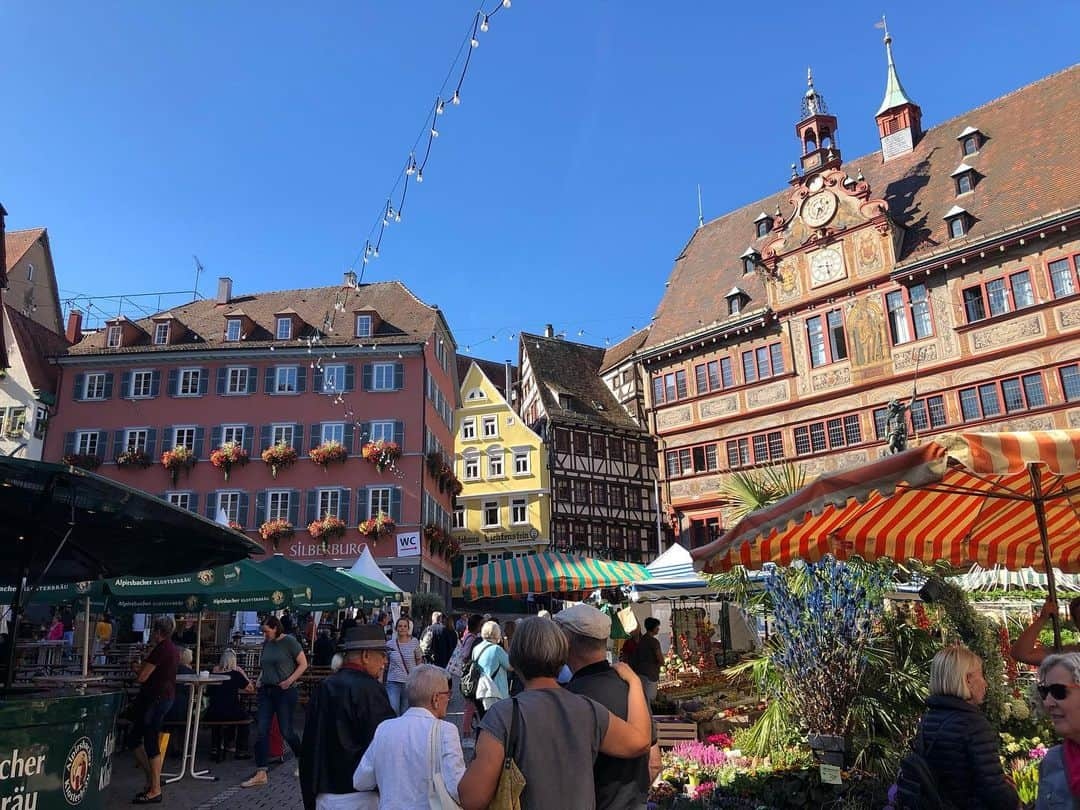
(341,719)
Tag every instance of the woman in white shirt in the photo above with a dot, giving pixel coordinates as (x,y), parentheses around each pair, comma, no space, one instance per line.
(417,757)
(404,656)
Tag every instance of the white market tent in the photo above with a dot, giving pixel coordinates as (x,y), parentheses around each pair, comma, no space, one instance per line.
(674,577)
(365,566)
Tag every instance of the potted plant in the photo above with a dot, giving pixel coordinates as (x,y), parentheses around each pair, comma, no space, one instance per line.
(274,531)
(85,461)
(278,457)
(229,455)
(134,457)
(330,452)
(452,548)
(435,536)
(435,463)
(236,526)
(381,453)
(326,529)
(177,459)
(373,527)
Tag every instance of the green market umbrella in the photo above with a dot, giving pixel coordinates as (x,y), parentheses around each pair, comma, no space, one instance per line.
(326,593)
(373,592)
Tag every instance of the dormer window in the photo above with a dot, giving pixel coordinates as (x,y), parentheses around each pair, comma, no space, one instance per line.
(112,336)
(161,334)
(363,326)
(964,177)
(749,259)
(284,328)
(958,222)
(736,300)
(233,329)
(762,225)
(970,141)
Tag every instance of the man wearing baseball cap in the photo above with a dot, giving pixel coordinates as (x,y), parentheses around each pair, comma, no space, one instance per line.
(621,784)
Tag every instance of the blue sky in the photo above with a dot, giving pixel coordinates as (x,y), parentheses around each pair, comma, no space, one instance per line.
(263,137)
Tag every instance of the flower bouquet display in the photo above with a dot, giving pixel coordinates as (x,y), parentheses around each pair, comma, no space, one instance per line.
(227,456)
(134,457)
(274,531)
(382,454)
(85,461)
(373,527)
(278,457)
(327,529)
(330,452)
(177,459)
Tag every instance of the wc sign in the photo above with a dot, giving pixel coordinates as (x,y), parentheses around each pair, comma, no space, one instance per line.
(408,544)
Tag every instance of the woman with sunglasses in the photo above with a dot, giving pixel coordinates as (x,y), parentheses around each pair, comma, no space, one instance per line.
(1059,772)
(957,741)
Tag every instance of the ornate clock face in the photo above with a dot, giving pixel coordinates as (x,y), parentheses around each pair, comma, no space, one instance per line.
(826,265)
(819,209)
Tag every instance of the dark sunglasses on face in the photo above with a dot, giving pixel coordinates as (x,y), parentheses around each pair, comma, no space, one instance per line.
(1058,691)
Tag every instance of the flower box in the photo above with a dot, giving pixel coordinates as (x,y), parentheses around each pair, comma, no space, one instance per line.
(378,525)
(381,453)
(278,457)
(177,459)
(85,461)
(135,457)
(330,452)
(227,456)
(276,530)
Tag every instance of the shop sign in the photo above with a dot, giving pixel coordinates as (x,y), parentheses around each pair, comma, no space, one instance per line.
(408,544)
(474,541)
(313,550)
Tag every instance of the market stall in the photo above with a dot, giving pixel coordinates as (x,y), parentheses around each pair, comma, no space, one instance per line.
(548,572)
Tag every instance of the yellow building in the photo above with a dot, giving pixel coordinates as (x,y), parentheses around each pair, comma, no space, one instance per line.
(504,507)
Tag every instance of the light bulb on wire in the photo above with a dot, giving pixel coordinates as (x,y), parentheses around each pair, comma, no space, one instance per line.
(439,107)
(474,42)
(506,3)
(419,175)
(434,132)
(484,24)
(411,168)
(455,99)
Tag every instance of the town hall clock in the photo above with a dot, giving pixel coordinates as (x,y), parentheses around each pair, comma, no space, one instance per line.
(819,209)
(826,265)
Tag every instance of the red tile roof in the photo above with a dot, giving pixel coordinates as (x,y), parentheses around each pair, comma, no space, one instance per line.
(327,310)
(614,355)
(495,372)
(16,243)
(37,344)
(1028,170)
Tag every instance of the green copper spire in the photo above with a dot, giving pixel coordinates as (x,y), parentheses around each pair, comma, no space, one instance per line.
(895,95)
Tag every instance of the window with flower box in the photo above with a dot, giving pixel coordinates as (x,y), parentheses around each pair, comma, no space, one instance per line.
(670,387)
(87,442)
(329,501)
(332,432)
(136,439)
(277,504)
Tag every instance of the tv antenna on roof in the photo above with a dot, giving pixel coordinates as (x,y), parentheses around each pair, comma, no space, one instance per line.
(198,272)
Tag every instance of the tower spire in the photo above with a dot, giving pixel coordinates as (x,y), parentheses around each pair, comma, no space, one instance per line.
(899,119)
(895,95)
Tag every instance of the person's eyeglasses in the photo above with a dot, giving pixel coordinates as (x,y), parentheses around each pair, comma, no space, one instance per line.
(1058,691)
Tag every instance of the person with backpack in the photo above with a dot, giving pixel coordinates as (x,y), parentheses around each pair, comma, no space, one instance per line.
(954,759)
(470,675)
(494,664)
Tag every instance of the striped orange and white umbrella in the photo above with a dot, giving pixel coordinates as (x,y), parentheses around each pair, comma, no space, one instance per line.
(1007,499)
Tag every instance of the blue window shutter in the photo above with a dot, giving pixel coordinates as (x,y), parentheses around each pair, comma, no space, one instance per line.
(204,381)
(253,380)
(260,508)
(242,510)
(200,436)
(103,443)
(69,443)
(211,505)
(265,437)
(155,383)
(399,434)
(269,387)
(249,439)
(193,502)
(151,438)
(294,506)
(125,385)
(301,379)
(348,438)
(395,504)
(344,514)
(222,373)
(172,388)
(108,384)
(362,502)
(298,438)
(316,379)
(79,387)
(312,505)
(350,377)
(399,376)
(365,374)
(118,444)
(315,437)
(215,439)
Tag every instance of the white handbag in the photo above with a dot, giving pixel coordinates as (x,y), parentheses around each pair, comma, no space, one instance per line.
(439,797)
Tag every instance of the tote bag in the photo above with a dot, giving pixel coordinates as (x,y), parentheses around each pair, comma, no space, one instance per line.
(511,779)
(439,797)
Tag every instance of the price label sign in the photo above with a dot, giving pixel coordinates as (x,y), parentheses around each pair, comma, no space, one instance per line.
(830,775)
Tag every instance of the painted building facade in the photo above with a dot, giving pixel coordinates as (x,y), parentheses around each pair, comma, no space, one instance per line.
(295,369)
(505,503)
(940,273)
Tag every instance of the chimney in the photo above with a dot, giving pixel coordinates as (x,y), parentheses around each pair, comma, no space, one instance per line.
(74,326)
(549,331)
(350,278)
(224,290)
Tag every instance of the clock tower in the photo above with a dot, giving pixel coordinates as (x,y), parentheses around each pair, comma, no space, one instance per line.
(899,119)
(816,132)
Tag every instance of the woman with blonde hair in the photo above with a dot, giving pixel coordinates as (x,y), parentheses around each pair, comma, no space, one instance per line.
(957,741)
(225,706)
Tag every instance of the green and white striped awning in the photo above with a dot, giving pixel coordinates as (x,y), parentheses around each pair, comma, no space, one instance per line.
(548,572)
(1026,579)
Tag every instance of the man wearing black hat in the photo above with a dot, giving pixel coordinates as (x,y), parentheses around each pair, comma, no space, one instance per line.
(340,723)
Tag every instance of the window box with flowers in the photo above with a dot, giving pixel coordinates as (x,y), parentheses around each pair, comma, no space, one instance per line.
(436,538)
(236,526)
(177,459)
(382,454)
(378,525)
(136,457)
(278,457)
(330,452)
(452,548)
(327,529)
(227,456)
(276,530)
(85,461)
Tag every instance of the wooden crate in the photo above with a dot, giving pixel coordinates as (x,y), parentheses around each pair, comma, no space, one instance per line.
(671,730)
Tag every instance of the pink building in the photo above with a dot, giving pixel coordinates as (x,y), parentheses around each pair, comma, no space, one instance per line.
(296,368)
